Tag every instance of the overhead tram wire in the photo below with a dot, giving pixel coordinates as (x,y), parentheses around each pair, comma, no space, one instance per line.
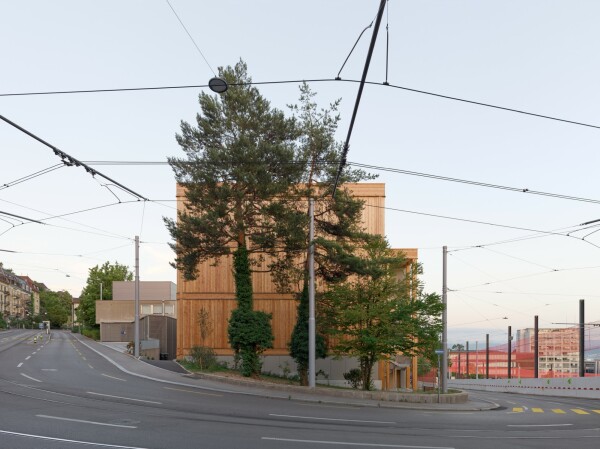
(61,217)
(31,176)
(69,160)
(399,171)
(474,183)
(466,220)
(190,36)
(20,217)
(297,81)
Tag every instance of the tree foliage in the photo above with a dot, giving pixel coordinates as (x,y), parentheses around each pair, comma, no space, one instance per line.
(249,330)
(240,164)
(105,275)
(248,172)
(298,344)
(337,219)
(55,307)
(375,315)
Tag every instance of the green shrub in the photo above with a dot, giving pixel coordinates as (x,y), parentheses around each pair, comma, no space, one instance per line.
(92,333)
(203,357)
(354,378)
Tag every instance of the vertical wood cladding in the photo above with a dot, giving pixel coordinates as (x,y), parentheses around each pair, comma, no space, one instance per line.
(214,291)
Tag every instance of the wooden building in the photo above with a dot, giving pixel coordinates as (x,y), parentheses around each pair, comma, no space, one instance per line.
(214,291)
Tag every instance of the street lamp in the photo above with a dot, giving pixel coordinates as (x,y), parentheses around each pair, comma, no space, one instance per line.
(218,85)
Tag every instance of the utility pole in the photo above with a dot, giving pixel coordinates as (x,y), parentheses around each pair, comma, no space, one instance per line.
(476,359)
(467,361)
(536,349)
(311,298)
(581,338)
(509,351)
(444,373)
(136,325)
(487,356)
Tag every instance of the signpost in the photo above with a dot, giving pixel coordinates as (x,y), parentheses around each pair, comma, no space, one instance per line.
(439,352)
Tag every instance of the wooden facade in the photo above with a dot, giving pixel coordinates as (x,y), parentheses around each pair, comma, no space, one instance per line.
(213,290)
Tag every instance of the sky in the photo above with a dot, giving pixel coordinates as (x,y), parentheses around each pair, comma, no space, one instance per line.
(510,257)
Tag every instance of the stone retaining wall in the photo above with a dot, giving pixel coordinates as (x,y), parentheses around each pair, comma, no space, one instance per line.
(387,396)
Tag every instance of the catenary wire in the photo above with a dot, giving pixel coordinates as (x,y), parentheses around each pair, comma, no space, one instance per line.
(315,80)
(398,171)
(69,160)
(190,36)
(31,176)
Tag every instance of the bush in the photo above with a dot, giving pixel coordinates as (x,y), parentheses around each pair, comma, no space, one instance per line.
(354,378)
(204,357)
(91,333)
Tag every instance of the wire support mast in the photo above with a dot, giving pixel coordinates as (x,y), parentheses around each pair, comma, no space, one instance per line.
(359,94)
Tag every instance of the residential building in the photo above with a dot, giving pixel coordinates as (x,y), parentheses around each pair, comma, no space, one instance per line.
(158,314)
(214,292)
(35,294)
(16,296)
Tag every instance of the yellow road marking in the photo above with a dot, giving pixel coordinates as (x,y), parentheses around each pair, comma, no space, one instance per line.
(579,411)
(518,409)
(596,411)
(195,392)
(537,410)
(557,410)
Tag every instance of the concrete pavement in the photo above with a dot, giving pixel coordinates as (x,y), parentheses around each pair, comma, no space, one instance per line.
(114,353)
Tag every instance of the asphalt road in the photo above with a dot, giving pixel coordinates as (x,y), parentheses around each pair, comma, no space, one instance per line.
(59,393)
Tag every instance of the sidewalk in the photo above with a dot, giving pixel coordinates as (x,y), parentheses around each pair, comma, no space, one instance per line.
(115,353)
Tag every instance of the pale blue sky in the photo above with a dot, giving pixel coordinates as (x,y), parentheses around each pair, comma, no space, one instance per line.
(538,56)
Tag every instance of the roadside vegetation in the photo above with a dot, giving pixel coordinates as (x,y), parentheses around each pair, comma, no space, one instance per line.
(249,172)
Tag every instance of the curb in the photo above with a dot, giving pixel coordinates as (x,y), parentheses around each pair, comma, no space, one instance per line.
(377,398)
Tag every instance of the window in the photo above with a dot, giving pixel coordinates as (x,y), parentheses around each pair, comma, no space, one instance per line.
(169,309)
(157,309)
(146,309)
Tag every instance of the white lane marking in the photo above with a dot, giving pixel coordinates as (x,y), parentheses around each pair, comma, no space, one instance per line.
(63,440)
(90,366)
(121,397)
(445,413)
(328,406)
(193,392)
(28,357)
(86,422)
(343,443)
(29,377)
(538,425)
(20,365)
(331,419)
(113,377)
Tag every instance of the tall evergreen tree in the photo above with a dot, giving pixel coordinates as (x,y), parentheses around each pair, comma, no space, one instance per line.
(240,174)
(337,219)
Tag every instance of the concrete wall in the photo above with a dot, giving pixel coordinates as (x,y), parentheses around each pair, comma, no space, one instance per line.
(330,371)
(124,311)
(586,387)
